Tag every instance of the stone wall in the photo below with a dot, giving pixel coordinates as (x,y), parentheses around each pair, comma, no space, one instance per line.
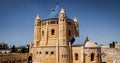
(117,45)
(77,54)
(44,54)
(92,55)
(110,54)
(15,58)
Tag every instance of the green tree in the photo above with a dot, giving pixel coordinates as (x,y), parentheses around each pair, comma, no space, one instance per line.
(113,44)
(13,49)
(24,50)
(28,48)
(110,45)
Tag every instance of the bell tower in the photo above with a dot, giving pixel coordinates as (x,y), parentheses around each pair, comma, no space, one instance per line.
(37,31)
(63,41)
(76,27)
(62,28)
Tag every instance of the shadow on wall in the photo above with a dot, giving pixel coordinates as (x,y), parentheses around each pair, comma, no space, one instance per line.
(30,59)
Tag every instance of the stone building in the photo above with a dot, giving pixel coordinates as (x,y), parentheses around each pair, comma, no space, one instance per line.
(4,49)
(109,55)
(53,39)
(92,53)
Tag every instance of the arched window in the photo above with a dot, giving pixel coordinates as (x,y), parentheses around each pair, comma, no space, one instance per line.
(69,23)
(92,56)
(62,55)
(56,22)
(69,33)
(42,33)
(76,56)
(98,57)
(52,32)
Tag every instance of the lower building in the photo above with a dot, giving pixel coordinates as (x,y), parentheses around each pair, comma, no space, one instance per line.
(16,58)
(4,51)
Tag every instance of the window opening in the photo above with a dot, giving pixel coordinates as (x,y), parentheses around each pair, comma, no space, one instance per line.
(76,56)
(92,57)
(52,32)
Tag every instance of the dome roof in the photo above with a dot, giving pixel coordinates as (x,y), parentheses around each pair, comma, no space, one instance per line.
(54,13)
(91,44)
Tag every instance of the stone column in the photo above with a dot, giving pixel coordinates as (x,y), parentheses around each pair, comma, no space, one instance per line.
(57,52)
(82,56)
(70,54)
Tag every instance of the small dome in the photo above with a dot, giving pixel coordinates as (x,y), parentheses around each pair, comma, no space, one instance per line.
(91,44)
(55,13)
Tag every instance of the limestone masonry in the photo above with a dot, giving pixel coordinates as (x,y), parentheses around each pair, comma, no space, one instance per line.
(53,39)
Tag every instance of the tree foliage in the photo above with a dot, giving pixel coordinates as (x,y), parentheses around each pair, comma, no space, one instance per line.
(112,45)
(13,49)
(21,49)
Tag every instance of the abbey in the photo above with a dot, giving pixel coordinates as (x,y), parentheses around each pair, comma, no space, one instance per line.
(53,43)
(53,38)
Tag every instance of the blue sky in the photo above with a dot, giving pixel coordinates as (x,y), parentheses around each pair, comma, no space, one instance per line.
(98,19)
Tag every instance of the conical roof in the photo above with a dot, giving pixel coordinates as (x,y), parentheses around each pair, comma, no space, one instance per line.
(75,19)
(37,17)
(62,11)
